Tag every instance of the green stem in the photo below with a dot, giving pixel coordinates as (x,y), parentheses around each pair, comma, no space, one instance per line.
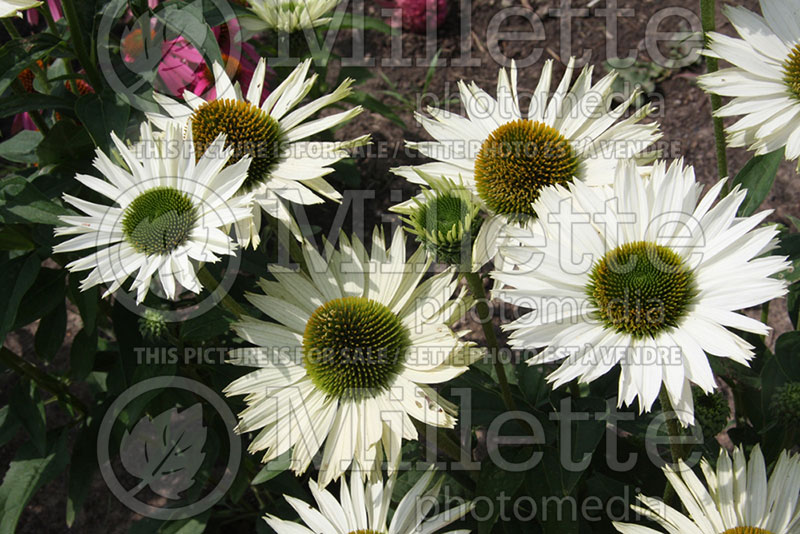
(210,283)
(76,34)
(675,446)
(12,30)
(765,318)
(42,379)
(482,304)
(708,15)
(48,17)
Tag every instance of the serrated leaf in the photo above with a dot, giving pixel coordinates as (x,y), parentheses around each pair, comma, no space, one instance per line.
(165,453)
(29,471)
(757,176)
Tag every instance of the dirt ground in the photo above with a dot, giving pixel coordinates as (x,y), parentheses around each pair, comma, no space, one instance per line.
(683,111)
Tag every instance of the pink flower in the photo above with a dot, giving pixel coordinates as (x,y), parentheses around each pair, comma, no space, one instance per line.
(176,59)
(55,9)
(414,13)
(240,62)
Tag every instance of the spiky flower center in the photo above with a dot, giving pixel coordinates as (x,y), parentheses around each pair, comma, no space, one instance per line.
(786,403)
(517,161)
(641,289)
(353,347)
(366,531)
(250,132)
(711,411)
(791,71)
(746,530)
(446,224)
(159,220)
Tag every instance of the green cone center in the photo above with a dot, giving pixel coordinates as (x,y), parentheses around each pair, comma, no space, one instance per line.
(250,132)
(353,347)
(791,71)
(159,220)
(447,224)
(641,289)
(517,161)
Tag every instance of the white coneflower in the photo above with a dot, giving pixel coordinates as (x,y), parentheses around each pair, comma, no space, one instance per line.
(287,168)
(765,78)
(649,278)
(738,498)
(507,158)
(365,510)
(171,211)
(359,342)
(287,16)
(12,8)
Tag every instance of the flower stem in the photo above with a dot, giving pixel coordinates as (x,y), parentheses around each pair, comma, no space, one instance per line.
(708,16)
(41,379)
(482,304)
(210,283)
(675,447)
(76,34)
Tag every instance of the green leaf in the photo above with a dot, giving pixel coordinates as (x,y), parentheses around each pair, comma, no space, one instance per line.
(29,471)
(28,408)
(47,292)
(273,469)
(82,466)
(789,245)
(22,202)
(22,147)
(757,176)
(494,481)
(211,324)
(9,425)
(15,104)
(532,383)
(82,354)
(51,331)
(192,525)
(793,304)
(17,276)
(68,144)
(86,301)
(102,115)
(12,238)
